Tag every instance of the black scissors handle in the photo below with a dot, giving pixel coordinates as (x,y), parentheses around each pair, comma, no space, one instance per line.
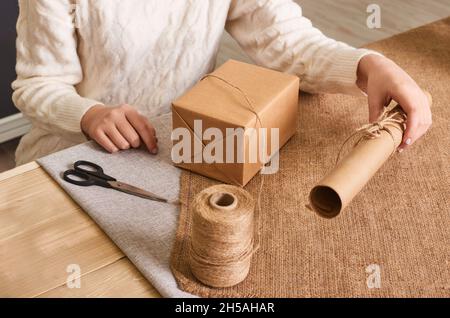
(94,175)
(93,170)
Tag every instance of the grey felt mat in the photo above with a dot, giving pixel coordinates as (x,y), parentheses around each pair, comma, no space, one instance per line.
(144,230)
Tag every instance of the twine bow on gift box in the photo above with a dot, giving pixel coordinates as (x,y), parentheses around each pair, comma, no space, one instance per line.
(391,118)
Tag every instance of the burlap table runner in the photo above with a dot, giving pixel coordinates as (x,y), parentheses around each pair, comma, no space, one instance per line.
(398,226)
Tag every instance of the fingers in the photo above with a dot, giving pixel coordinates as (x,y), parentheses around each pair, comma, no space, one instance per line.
(129,133)
(385,81)
(119,128)
(105,142)
(411,132)
(417,125)
(144,129)
(418,117)
(116,137)
(416,106)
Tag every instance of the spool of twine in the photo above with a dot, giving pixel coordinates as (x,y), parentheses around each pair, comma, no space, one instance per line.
(222,237)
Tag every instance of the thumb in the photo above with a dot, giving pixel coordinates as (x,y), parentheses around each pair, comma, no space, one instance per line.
(376,106)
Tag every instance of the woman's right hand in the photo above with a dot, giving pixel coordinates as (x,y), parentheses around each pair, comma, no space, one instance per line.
(119,128)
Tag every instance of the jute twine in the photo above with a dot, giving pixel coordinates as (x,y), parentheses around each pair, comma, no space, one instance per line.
(249,106)
(391,118)
(225,236)
(222,237)
(249,103)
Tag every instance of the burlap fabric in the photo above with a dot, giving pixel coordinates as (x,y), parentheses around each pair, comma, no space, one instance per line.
(399,224)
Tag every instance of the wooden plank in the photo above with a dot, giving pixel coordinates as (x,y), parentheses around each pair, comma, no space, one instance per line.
(42,232)
(119,279)
(18,170)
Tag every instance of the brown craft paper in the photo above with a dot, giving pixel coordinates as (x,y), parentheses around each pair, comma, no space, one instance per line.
(338,188)
(238,95)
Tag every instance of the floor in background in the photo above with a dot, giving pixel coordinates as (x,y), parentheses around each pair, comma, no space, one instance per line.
(344,20)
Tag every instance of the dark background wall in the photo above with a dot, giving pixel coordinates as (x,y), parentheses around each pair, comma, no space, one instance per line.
(8,17)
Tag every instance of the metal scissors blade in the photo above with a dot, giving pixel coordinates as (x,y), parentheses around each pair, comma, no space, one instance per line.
(123,187)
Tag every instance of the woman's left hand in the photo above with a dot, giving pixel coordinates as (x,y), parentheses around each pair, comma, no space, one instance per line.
(383,80)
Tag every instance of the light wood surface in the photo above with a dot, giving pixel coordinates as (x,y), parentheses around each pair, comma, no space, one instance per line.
(117,279)
(43,231)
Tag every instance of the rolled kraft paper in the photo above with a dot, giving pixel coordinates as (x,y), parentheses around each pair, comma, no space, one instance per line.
(222,237)
(337,189)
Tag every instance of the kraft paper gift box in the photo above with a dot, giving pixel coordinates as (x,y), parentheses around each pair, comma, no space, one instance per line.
(235,96)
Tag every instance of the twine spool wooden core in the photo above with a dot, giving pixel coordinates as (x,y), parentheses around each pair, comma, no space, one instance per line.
(223,201)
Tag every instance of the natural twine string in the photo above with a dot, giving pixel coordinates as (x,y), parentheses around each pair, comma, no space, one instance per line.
(258,120)
(247,98)
(391,118)
(250,107)
(222,244)
(222,237)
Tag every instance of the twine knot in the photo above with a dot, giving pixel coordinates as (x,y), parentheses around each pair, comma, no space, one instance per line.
(390,118)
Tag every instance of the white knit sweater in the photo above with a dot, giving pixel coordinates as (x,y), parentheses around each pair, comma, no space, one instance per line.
(148,52)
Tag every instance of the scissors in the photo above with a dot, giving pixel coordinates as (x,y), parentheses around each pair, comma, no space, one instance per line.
(88,174)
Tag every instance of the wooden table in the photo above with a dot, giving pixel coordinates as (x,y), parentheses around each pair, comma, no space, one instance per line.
(43,231)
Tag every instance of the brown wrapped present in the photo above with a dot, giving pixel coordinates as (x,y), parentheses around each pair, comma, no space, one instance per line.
(217,124)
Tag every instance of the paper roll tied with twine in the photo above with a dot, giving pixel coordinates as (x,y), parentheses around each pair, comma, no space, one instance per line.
(222,237)
(375,143)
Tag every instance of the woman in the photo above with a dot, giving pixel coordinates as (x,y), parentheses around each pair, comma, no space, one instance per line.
(118,63)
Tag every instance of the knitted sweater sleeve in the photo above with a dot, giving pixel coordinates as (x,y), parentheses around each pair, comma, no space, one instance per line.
(48,67)
(276,35)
